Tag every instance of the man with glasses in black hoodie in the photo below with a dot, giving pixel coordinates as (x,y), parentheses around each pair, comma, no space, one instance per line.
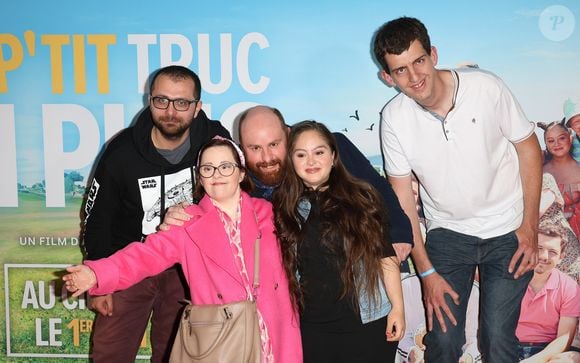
(144,170)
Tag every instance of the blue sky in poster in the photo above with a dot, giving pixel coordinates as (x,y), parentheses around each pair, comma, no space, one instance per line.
(317,61)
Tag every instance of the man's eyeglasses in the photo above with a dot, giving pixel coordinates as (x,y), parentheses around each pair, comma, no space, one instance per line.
(225,169)
(180,104)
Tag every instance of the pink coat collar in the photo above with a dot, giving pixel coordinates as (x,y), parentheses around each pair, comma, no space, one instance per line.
(214,243)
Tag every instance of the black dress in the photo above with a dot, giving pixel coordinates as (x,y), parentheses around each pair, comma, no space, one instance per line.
(331,328)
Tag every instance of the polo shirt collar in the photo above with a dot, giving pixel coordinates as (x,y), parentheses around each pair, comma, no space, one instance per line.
(455,77)
(551,283)
(553,280)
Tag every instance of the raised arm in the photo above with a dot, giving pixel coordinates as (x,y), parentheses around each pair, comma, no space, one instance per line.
(130,265)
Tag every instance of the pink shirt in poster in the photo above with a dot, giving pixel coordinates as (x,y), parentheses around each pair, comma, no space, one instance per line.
(541,312)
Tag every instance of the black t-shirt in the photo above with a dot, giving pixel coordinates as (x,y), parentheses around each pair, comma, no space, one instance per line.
(320,265)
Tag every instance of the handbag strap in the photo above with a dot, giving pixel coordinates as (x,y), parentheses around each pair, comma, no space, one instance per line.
(256,284)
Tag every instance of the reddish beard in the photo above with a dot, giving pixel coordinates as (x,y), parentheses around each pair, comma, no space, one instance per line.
(270,178)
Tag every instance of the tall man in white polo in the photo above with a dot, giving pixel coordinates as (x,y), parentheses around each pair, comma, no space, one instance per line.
(478,162)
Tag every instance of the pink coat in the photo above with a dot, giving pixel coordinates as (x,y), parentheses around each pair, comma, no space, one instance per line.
(202,248)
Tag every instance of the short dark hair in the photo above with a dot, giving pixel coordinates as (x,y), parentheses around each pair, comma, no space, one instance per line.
(177,73)
(396,36)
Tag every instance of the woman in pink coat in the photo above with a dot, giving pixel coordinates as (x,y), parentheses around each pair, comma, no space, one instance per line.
(216,251)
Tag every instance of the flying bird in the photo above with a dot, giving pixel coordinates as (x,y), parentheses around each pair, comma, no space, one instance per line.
(355,116)
(370,128)
(344,130)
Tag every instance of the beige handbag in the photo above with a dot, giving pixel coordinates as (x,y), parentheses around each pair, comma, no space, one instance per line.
(223,333)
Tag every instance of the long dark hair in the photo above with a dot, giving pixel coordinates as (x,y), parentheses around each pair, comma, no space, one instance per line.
(352,210)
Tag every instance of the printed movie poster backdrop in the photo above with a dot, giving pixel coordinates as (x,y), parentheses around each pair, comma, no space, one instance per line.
(72,75)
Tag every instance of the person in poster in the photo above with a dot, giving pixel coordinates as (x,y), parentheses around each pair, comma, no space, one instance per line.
(552,213)
(560,164)
(551,305)
(573,123)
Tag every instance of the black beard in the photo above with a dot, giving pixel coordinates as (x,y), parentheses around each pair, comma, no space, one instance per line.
(172,133)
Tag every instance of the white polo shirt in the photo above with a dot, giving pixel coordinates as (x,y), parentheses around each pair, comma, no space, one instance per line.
(467,165)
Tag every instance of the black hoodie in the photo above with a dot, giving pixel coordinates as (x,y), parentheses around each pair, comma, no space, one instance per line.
(134,184)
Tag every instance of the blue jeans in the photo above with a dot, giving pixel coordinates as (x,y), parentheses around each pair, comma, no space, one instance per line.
(455,256)
(526,351)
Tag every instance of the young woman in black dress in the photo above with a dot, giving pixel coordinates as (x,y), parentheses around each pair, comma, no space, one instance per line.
(344,275)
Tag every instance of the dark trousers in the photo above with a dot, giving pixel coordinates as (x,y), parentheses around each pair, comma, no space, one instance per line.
(455,256)
(527,350)
(117,338)
(365,344)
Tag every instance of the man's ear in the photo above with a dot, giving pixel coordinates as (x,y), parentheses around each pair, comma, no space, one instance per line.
(434,55)
(387,78)
(197,108)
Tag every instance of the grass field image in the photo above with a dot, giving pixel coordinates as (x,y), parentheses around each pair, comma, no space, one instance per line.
(40,322)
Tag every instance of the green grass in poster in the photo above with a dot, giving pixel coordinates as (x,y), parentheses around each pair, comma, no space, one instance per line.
(34,234)
(40,320)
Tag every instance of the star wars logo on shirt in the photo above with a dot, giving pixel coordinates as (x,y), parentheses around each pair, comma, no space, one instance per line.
(148,183)
(178,188)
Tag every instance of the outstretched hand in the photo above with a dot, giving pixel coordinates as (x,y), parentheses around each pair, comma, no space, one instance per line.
(80,279)
(434,289)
